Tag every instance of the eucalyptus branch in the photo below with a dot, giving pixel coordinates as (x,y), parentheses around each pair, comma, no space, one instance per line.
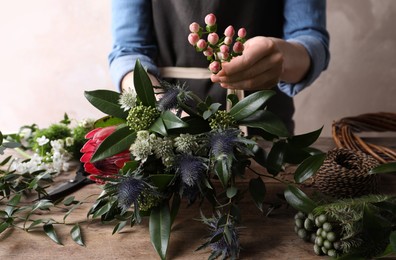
(269,176)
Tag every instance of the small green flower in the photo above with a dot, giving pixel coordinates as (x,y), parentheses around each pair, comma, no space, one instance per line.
(163,148)
(186,143)
(221,120)
(148,200)
(142,148)
(141,117)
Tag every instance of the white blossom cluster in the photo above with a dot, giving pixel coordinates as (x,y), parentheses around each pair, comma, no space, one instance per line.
(55,161)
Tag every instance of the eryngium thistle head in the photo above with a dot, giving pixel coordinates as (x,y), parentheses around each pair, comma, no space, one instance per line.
(129,191)
(223,142)
(191,169)
(224,247)
(221,120)
(141,117)
(169,97)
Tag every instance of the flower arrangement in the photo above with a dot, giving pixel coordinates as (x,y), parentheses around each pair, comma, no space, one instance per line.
(149,157)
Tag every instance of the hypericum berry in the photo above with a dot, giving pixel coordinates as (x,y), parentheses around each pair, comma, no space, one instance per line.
(208,52)
(242,33)
(229,31)
(215,67)
(194,27)
(201,44)
(213,38)
(193,38)
(238,47)
(210,19)
(224,48)
(228,40)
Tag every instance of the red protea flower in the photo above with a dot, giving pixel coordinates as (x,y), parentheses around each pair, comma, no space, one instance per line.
(106,167)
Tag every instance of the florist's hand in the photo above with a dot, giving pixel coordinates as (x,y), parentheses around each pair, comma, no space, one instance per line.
(259,67)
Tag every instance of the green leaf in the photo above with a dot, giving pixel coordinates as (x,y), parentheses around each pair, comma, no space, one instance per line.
(250,104)
(119,141)
(159,127)
(103,210)
(161,181)
(75,233)
(35,223)
(295,155)
(257,191)
(12,203)
(275,158)
(160,227)
(231,192)
(384,168)
(108,121)
(305,140)
(119,226)
(266,121)
(172,121)
(233,99)
(144,88)
(298,199)
(106,101)
(68,201)
(50,231)
(4,226)
(5,161)
(309,167)
(392,239)
(223,170)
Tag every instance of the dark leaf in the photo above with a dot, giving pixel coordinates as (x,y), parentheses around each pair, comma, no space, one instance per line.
(250,104)
(257,191)
(108,121)
(233,99)
(106,101)
(266,121)
(305,140)
(75,234)
(275,159)
(223,171)
(309,167)
(3,226)
(159,127)
(295,155)
(392,239)
(384,168)
(231,192)
(161,181)
(299,200)
(144,88)
(171,121)
(119,226)
(50,231)
(103,210)
(119,141)
(160,227)
(175,207)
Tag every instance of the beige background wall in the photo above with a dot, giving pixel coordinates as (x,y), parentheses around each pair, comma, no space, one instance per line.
(51,51)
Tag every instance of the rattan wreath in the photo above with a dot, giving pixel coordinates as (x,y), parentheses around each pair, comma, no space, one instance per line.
(343,132)
(345,174)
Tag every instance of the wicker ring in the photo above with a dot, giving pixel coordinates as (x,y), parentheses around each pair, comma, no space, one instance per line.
(343,132)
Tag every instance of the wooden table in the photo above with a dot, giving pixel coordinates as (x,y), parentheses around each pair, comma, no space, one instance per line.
(263,237)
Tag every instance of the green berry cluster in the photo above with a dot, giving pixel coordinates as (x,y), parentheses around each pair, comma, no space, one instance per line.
(141,117)
(319,231)
(147,200)
(221,120)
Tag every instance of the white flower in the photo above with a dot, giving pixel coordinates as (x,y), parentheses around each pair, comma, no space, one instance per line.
(42,140)
(186,143)
(69,141)
(143,145)
(127,99)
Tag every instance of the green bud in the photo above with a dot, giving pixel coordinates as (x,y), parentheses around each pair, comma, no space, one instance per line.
(318,250)
(319,231)
(319,241)
(327,227)
(332,253)
(312,238)
(299,223)
(302,233)
(309,225)
(331,236)
(327,244)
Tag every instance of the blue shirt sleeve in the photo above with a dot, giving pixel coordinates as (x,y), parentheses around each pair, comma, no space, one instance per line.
(305,23)
(133,38)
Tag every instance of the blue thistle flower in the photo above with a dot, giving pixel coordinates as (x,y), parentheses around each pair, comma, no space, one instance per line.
(223,142)
(129,191)
(191,169)
(223,239)
(168,99)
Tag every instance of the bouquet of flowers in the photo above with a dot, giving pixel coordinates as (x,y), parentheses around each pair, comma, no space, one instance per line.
(149,157)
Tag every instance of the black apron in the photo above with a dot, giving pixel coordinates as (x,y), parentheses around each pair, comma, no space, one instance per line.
(171,20)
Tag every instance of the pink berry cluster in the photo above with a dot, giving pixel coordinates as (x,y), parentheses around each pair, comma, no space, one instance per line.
(216,49)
